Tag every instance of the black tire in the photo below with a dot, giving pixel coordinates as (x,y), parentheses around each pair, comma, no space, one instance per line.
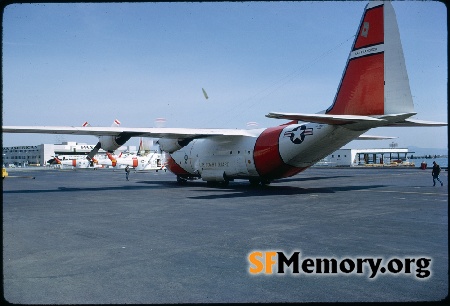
(181,180)
(254,182)
(265,182)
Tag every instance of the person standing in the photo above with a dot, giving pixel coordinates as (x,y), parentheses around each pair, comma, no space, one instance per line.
(435,173)
(127,171)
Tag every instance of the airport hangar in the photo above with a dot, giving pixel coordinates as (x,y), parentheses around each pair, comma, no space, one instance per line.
(39,155)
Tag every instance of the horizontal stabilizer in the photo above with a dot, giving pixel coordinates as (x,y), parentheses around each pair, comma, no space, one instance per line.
(371,137)
(418,123)
(325,118)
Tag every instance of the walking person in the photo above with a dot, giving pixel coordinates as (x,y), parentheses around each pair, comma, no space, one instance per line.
(435,173)
(127,171)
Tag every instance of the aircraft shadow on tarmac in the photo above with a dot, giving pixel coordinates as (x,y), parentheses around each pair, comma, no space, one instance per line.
(246,183)
(241,191)
(244,189)
(233,190)
(314,178)
(78,189)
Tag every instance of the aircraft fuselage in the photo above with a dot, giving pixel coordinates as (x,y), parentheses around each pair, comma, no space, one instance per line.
(273,153)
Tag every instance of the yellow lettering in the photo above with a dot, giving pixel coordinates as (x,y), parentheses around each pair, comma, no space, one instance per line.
(258,265)
(269,261)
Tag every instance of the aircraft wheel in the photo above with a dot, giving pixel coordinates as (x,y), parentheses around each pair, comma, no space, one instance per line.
(254,182)
(181,180)
(265,182)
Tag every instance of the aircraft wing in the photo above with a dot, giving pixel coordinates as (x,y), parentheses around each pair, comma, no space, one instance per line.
(175,133)
(325,118)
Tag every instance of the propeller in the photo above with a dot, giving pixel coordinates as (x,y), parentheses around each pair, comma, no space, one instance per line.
(94,151)
(98,146)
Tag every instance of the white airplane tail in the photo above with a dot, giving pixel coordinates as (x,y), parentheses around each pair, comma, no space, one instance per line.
(374,89)
(375,81)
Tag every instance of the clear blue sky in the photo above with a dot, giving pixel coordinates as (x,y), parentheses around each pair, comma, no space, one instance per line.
(64,64)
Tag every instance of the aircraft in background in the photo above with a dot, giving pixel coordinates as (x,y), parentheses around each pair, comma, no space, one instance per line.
(151,161)
(77,163)
(373,92)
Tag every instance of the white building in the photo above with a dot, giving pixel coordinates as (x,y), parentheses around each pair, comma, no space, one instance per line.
(39,155)
(359,157)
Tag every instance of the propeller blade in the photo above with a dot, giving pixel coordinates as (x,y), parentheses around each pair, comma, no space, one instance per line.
(94,151)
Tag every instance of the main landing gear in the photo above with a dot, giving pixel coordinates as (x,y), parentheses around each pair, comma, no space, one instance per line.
(181,180)
(218,183)
(257,182)
(225,183)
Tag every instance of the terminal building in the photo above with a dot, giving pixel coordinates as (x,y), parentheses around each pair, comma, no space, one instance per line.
(40,155)
(367,157)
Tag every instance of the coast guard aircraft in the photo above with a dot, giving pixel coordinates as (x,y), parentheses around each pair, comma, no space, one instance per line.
(151,161)
(373,92)
(78,163)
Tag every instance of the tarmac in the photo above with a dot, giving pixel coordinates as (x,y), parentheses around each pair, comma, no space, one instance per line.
(91,237)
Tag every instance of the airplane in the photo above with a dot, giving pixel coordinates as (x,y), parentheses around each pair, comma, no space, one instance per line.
(373,92)
(157,158)
(78,163)
(151,161)
(104,162)
(145,160)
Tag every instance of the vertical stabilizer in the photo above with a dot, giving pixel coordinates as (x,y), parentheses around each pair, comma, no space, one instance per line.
(397,93)
(375,81)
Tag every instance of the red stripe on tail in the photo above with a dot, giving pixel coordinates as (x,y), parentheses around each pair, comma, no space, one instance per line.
(371,30)
(362,88)
(361,91)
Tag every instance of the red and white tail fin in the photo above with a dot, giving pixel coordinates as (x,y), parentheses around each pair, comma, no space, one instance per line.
(375,81)
(374,89)
(115,123)
(141,146)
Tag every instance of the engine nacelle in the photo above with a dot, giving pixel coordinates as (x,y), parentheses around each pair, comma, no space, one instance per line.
(111,143)
(171,145)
